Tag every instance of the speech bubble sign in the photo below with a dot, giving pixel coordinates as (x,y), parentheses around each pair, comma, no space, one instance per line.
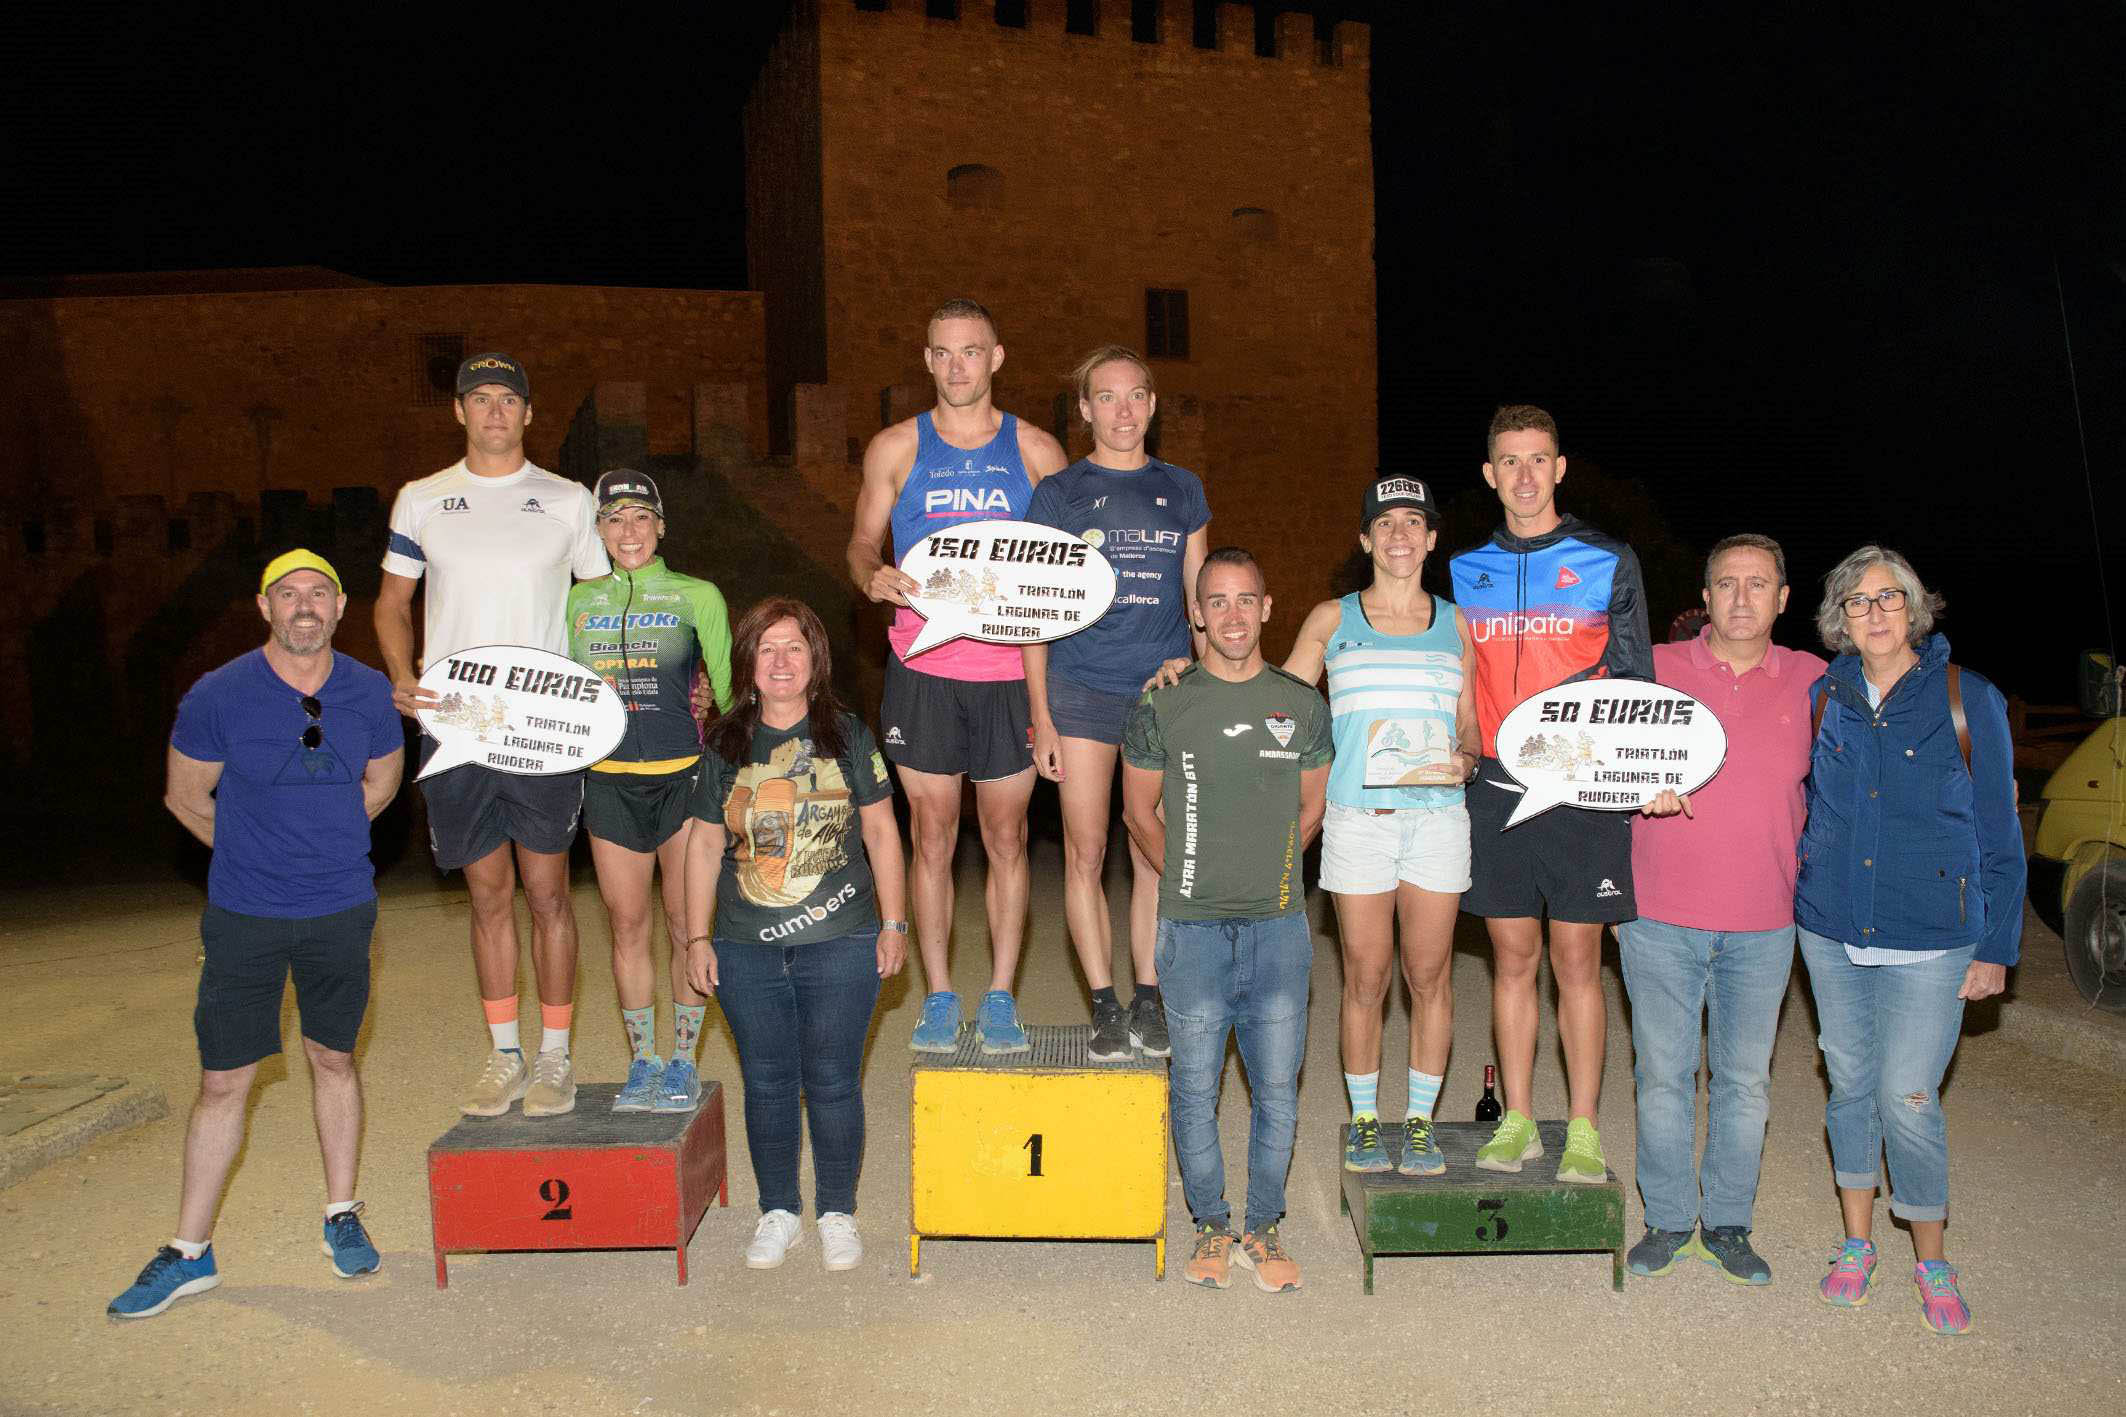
(1007,583)
(518,710)
(1610,745)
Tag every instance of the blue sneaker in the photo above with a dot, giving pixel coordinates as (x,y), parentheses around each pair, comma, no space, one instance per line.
(939,1032)
(639,1092)
(167,1278)
(679,1090)
(998,1019)
(348,1244)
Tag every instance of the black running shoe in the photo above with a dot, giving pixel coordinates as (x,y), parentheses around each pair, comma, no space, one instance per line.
(1147,1026)
(1110,1034)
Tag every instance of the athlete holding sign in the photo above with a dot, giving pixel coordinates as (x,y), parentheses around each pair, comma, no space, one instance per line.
(1149,519)
(957,710)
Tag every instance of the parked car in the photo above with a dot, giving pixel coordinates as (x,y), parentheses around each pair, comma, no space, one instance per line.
(2078,853)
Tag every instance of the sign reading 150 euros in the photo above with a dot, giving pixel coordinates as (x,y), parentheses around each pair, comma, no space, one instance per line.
(1612,745)
(518,710)
(1010,583)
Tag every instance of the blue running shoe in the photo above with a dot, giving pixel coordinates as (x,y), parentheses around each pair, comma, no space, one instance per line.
(639,1092)
(939,1032)
(679,1090)
(348,1244)
(998,1019)
(167,1278)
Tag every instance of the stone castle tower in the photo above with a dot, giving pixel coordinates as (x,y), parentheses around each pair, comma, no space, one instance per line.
(1212,207)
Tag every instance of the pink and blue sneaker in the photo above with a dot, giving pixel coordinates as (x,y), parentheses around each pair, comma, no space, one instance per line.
(1941,1303)
(1846,1286)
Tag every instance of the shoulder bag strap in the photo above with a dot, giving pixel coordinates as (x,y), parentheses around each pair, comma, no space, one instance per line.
(1956,713)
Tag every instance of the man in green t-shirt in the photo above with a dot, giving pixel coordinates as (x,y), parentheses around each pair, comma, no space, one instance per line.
(1237,753)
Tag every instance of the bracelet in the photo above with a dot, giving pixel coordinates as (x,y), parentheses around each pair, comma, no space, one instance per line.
(696,939)
(898,927)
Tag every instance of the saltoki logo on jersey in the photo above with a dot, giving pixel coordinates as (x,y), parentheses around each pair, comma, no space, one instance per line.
(531,504)
(455,504)
(1280,726)
(651,620)
(1495,627)
(966,502)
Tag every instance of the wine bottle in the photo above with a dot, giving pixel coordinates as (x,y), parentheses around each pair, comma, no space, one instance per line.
(1487,1106)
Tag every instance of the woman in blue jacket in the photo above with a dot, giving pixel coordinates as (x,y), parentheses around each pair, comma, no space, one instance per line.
(1910,902)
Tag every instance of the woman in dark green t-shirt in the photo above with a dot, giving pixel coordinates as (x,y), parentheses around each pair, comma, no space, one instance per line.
(797,861)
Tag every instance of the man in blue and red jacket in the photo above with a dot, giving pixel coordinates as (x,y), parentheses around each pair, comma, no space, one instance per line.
(1549,600)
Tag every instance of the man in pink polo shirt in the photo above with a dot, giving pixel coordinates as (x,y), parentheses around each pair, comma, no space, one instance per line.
(1714,876)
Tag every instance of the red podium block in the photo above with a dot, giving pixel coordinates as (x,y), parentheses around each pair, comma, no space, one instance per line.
(594,1179)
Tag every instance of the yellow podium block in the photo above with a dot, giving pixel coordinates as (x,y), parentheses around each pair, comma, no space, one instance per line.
(1044,1145)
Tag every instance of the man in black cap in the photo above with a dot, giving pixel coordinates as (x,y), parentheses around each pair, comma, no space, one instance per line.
(498,540)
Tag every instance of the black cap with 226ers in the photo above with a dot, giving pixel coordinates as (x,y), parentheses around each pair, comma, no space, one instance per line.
(494,369)
(1385,492)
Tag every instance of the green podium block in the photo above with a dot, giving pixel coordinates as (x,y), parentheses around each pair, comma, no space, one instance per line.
(1468,1211)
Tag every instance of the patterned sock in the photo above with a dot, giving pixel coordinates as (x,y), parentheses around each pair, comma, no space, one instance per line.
(1365,1093)
(502,1023)
(641,1026)
(554,1021)
(686,1028)
(1424,1095)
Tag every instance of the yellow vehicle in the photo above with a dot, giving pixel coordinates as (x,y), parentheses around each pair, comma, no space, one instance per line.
(2078,854)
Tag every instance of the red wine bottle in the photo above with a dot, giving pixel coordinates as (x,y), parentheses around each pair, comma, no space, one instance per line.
(1487,1106)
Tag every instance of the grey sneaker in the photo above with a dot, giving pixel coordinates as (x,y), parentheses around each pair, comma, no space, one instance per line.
(500,1083)
(553,1085)
(1655,1254)
(1728,1248)
(1421,1154)
(1147,1025)
(1362,1149)
(1110,1034)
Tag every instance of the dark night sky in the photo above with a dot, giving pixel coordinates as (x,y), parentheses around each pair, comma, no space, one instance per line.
(1785,272)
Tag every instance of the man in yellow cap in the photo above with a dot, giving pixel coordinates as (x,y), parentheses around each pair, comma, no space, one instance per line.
(278,761)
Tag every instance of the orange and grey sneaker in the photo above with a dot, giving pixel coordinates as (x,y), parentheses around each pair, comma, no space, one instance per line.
(1212,1263)
(1263,1252)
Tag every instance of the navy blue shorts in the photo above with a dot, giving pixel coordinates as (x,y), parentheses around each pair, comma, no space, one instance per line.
(474,809)
(249,959)
(1079,712)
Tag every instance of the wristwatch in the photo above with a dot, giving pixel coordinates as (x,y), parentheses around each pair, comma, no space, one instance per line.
(898,927)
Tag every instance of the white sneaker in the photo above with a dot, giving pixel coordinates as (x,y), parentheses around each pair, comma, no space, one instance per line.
(839,1244)
(772,1238)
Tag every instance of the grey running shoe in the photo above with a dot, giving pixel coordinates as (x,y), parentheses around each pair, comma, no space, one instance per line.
(1421,1154)
(1147,1026)
(1110,1034)
(1362,1148)
(1655,1254)
(1728,1248)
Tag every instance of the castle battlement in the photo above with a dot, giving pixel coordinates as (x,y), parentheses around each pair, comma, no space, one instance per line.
(1347,43)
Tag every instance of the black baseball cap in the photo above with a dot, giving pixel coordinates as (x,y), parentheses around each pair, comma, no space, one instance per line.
(1385,492)
(494,369)
(625,487)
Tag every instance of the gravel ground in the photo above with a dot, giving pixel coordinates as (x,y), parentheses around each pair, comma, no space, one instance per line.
(102,981)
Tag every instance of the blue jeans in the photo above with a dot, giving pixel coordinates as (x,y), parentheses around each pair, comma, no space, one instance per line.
(1889,1031)
(1735,980)
(800,1014)
(1249,978)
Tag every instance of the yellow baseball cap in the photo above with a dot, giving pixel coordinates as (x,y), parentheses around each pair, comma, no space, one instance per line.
(299,559)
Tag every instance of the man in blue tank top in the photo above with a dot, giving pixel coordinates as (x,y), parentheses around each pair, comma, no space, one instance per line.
(957,710)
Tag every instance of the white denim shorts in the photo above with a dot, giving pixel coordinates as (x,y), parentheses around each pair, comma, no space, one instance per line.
(1367,853)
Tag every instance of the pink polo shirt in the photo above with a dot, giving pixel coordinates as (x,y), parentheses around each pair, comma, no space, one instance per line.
(1731,865)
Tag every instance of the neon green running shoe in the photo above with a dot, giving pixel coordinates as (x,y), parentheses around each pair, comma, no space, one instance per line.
(1582,1162)
(1514,1142)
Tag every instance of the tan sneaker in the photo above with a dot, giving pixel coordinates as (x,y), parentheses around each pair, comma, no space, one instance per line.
(553,1086)
(1212,1263)
(501,1082)
(1275,1271)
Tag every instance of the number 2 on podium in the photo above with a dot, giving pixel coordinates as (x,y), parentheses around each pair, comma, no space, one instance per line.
(1032,1146)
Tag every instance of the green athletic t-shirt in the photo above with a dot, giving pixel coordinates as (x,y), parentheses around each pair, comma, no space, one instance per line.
(672,623)
(1232,755)
(794,868)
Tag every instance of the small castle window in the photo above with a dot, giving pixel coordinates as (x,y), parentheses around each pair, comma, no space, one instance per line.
(941,9)
(1166,324)
(1255,223)
(1011,14)
(974,184)
(1081,16)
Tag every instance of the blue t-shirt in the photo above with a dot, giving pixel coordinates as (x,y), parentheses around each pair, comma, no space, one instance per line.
(291,838)
(1141,522)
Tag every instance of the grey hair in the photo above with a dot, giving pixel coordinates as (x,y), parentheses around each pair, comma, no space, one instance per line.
(1747,540)
(1922,604)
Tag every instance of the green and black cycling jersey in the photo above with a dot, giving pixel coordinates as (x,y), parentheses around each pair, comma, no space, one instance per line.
(644,632)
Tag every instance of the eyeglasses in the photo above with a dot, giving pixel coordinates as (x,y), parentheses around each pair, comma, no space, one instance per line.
(1891,600)
(315,733)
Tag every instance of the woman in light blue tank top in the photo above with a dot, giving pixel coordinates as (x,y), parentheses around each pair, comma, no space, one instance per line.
(1395,842)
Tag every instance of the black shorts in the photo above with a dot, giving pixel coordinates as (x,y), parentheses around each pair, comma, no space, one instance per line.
(1094,714)
(472,810)
(636,810)
(249,959)
(934,724)
(1568,860)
